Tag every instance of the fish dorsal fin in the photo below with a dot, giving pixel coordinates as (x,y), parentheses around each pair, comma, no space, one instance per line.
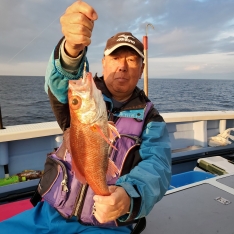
(78,175)
(96,128)
(66,141)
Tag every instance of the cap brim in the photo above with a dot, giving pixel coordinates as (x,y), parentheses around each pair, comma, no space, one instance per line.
(109,51)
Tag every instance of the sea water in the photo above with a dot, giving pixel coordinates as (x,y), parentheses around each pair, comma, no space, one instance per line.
(23,99)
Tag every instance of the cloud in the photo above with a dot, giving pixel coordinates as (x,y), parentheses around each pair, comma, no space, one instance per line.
(216,66)
(25,68)
(193,68)
(191,29)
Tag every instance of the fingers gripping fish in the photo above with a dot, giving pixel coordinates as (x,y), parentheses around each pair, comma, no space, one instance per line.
(89,135)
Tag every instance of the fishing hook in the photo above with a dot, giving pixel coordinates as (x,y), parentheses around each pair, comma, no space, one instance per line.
(147,28)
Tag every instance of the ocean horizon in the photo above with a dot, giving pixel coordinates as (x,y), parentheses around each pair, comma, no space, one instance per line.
(150,78)
(23,99)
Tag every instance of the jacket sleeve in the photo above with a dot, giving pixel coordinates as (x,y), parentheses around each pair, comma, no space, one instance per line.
(56,84)
(56,78)
(147,182)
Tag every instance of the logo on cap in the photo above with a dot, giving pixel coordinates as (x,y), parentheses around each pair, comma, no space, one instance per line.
(126,38)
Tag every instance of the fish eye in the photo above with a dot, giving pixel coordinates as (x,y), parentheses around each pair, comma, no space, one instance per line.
(75,101)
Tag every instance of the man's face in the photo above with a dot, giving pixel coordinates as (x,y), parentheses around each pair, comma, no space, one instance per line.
(121,70)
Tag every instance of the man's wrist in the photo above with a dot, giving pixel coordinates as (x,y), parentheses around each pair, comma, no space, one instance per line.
(73,51)
(68,63)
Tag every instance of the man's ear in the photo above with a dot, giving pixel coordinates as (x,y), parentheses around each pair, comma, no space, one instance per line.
(142,69)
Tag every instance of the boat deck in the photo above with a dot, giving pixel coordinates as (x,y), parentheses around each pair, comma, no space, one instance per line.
(203,207)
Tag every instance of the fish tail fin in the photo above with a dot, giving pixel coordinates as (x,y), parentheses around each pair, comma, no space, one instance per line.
(112,170)
(96,128)
(78,175)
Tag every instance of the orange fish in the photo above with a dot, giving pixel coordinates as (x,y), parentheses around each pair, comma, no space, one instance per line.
(90,135)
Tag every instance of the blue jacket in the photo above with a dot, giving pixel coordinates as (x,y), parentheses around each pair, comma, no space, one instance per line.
(147,182)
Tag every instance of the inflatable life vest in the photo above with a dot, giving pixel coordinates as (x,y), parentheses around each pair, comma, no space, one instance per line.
(59,187)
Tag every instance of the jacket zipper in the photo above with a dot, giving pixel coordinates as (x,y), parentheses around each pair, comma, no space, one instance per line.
(126,155)
(80,201)
(64,181)
(135,138)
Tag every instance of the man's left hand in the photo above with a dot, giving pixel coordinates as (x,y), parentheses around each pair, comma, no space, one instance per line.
(109,208)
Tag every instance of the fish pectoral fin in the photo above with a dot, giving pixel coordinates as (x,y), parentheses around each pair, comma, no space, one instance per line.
(66,139)
(78,175)
(112,130)
(112,170)
(61,152)
(96,128)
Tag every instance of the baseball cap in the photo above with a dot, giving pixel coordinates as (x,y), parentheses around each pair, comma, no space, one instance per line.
(124,39)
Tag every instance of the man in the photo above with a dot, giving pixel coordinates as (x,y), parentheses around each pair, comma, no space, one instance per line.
(146,181)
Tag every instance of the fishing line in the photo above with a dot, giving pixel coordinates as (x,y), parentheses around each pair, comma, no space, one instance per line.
(36,37)
(33,39)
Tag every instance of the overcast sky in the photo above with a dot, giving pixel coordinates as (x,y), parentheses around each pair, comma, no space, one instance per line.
(192,38)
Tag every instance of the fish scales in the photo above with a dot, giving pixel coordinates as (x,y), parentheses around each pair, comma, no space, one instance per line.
(89,157)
